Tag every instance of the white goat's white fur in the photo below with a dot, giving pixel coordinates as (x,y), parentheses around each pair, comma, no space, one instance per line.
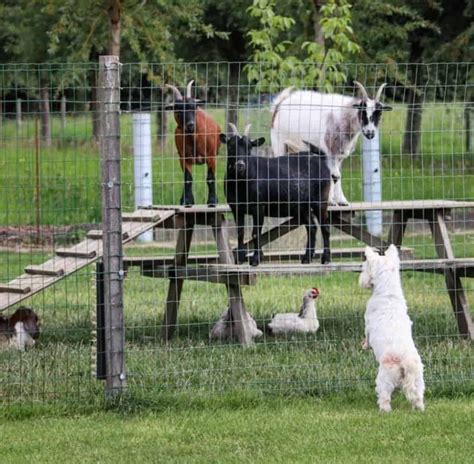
(306,321)
(388,330)
(224,328)
(328,121)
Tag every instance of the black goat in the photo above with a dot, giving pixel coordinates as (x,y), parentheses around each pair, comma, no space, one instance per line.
(287,186)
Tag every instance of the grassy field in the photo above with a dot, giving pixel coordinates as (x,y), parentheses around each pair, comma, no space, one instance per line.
(246,430)
(298,399)
(59,369)
(69,177)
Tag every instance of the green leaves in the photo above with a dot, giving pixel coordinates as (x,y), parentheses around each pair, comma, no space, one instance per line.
(274,67)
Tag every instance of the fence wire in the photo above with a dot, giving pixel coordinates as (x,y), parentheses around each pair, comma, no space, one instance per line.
(50,200)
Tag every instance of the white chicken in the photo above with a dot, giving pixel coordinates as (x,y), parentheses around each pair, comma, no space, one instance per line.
(306,321)
(224,328)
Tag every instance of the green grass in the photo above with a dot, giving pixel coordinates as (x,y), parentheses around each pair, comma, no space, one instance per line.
(69,180)
(59,368)
(245,430)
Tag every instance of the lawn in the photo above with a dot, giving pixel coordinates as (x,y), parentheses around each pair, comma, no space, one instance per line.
(297,399)
(69,170)
(253,430)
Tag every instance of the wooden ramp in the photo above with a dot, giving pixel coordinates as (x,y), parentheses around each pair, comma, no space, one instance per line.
(66,261)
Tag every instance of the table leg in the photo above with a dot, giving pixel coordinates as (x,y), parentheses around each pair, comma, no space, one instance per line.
(453,281)
(239,315)
(237,308)
(183,244)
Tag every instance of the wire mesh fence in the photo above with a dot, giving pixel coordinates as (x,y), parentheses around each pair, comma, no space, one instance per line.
(180,275)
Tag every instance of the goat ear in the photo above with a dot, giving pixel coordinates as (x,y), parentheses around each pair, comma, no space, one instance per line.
(313,149)
(223,138)
(386,107)
(200,102)
(358,106)
(258,142)
(169,107)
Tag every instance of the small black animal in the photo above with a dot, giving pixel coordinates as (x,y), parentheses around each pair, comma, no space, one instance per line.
(296,186)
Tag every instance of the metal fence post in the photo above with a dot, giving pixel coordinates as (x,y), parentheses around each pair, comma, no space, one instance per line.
(109,110)
(372,182)
(142,166)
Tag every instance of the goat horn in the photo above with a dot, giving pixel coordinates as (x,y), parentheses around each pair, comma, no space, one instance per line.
(247,130)
(379,91)
(177,93)
(188,88)
(234,129)
(363,92)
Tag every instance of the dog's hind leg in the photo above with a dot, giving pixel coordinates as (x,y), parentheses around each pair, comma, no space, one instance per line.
(385,384)
(413,384)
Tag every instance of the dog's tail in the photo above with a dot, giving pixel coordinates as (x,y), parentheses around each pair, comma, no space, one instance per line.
(412,380)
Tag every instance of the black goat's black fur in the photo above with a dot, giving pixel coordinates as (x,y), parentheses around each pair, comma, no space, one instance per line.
(296,186)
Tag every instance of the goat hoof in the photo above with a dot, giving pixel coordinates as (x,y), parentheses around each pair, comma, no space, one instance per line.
(241,256)
(255,260)
(187,202)
(212,202)
(343,203)
(305,260)
(325,259)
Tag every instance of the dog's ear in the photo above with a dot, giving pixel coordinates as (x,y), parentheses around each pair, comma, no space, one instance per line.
(369,253)
(392,252)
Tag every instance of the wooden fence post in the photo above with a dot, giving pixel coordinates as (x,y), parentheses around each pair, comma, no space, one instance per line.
(109,110)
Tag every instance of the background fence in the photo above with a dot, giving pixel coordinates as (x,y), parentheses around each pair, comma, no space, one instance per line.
(50,198)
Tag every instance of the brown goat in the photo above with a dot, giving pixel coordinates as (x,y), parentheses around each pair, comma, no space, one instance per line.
(197,141)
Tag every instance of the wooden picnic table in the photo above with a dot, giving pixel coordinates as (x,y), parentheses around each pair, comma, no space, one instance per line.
(222,268)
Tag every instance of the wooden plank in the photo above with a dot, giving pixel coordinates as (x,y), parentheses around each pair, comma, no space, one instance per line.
(453,282)
(424,265)
(272,234)
(343,222)
(43,270)
(239,316)
(221,273)
(203,274)
(97,235)
(144,215)
(269,257)
(356,206)
(109,144)
(50,271)
(176,285)
(8,288)
(71,253)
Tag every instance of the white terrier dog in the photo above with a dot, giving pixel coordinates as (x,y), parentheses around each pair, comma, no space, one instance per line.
(388,330)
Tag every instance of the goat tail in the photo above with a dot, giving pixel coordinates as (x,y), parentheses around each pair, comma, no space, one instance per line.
(278,100)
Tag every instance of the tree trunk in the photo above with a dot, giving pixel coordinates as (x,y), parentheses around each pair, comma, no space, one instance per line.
(411,140)
(63,114)
(161,128)
(18,115)
(233,96)
(468,130)
(45,116)
(115,11)
(318,32)
(94,107)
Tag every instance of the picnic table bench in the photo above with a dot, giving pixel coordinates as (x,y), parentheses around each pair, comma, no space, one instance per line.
(221,268)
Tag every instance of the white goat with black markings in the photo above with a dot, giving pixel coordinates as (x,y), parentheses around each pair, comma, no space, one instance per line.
(331,122)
